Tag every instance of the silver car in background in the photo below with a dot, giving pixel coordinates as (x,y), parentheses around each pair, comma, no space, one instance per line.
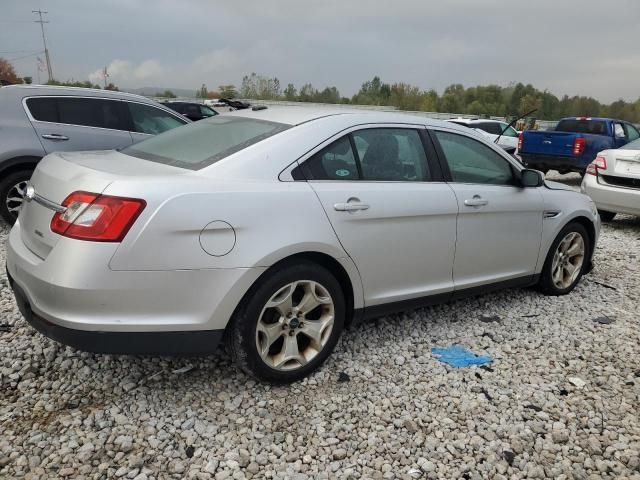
(37,119)
(274,228)
(612,180)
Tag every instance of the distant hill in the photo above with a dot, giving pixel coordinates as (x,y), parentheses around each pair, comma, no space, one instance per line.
(151,91)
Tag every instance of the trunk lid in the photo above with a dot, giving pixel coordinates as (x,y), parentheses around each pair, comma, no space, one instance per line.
(59,174)
(625,163)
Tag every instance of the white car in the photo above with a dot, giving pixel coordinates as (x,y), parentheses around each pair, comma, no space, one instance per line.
(274,228)
(491,129)
(612,180)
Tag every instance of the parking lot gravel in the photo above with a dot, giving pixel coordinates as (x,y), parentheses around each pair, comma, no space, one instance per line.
(559,400)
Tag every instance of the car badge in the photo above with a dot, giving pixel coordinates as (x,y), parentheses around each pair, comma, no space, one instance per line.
(342,172)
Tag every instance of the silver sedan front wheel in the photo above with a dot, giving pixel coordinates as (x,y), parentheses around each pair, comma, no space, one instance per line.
(568,260)
(295,325)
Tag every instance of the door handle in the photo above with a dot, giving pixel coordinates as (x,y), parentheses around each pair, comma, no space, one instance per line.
(476,201)
(55,136)
(350,207)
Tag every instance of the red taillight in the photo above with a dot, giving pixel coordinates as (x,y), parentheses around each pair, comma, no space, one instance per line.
(578,146)
(95,217)
(600,163)
(520,139)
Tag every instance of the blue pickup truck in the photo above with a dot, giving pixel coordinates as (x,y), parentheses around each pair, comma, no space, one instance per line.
(574,143)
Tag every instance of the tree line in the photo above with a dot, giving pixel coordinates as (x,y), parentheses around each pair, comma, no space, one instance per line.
(482,100)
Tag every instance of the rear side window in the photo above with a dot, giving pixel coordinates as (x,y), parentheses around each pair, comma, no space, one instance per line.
(489,127)
(381,154)
(593,127)
(204,143)
(43,109)
(91,112)
(84,112)
(152,120)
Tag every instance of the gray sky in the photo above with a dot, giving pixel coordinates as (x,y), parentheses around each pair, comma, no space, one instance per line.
(567,46)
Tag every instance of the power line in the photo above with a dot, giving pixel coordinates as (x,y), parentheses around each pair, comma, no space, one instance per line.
(44,41)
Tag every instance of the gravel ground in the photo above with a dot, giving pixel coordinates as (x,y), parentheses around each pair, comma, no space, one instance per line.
(560,399)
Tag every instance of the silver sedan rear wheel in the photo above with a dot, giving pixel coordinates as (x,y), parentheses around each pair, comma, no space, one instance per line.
(568,260)
(295,325)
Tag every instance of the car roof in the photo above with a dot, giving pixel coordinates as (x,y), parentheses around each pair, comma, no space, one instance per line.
(297,115)
(29,90)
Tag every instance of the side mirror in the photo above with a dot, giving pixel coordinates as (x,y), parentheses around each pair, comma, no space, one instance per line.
(531,178)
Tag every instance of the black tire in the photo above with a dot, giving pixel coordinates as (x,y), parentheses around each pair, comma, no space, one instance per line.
(546,284)
(240,337)
(606,216)
(6,184)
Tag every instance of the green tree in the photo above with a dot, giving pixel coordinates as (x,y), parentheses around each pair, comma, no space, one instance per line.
(290,93)
(228,91)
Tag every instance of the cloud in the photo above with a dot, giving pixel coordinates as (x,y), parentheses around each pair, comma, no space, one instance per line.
(554,45)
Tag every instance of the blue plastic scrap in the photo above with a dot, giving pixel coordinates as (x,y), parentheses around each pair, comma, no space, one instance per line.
(457,356)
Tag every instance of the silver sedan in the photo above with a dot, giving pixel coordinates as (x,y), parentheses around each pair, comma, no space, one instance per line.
(274,228)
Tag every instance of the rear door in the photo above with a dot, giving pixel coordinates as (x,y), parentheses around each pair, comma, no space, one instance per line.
(500,224)
(66,123)
(147,120)
(393,214)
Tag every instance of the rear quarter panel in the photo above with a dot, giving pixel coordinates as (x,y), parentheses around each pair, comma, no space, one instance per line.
(270,220)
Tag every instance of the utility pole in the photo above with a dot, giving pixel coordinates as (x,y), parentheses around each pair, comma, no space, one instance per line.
(44,41)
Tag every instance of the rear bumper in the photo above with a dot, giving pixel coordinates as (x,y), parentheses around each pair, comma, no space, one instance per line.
(73,297)
(612,198)
(149,343)
(547,162)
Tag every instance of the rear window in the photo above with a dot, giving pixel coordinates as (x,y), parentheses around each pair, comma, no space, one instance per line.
(204,143)
(594,127)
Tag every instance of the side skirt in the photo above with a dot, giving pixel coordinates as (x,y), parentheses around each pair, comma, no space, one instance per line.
(376,311)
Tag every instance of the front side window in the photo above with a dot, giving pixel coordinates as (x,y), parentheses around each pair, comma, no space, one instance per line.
(470,161)
(381,154)
(618,131)
(204,143)
(509,132)
(632,133)
(207,112)
(151,120)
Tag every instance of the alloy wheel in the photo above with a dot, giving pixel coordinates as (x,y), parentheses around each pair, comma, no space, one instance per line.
(567,260)
(295,325)
(15,197)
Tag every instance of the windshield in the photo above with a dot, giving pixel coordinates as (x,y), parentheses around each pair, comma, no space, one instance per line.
(594,127)
(203,143)
(635,145)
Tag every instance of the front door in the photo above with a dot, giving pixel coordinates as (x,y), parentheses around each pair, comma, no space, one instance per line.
(391,212)
(500,223)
